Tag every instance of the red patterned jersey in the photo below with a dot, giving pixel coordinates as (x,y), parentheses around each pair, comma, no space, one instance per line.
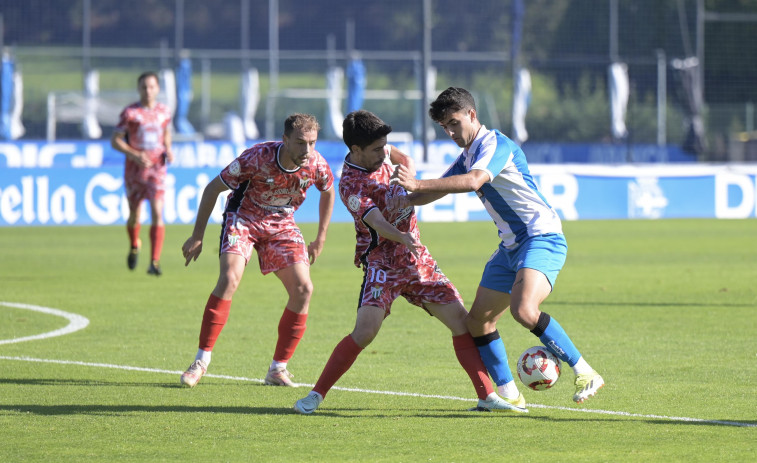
(362,191)
(145,129)
(261,186)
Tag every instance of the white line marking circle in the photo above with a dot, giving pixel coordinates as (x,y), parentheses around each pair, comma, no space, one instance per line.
(76,322)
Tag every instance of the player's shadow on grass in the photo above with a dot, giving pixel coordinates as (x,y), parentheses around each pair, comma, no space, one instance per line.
(723,422)
(647,304)
(96,409)
(358,413)
(80,382)
(441,414)
(96,382)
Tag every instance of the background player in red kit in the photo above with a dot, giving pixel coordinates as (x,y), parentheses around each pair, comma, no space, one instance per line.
(143,134)
(394,262)
(269,182)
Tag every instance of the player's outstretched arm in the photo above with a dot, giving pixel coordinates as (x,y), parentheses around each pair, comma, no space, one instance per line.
(193,246)
(325,208)
(462,183)
(376,220)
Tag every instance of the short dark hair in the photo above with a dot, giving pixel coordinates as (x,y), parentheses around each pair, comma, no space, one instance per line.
(147,74)
(362,128)
(453,100)
(304,122)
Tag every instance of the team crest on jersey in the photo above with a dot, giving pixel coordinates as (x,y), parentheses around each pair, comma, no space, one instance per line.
(353,202)
(233,238)
(376,292)
(235,168)
(304,183)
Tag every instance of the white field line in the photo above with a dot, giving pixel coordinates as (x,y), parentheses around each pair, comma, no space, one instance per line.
(78,322)
(393,393)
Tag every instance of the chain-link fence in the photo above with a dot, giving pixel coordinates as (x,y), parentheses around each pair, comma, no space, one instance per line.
(566,46)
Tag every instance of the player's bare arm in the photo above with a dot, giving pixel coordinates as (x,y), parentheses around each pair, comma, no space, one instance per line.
(325,207)
(193,246)
(464,183)
(167,141)
(397,157)
(118,142)
(376,220)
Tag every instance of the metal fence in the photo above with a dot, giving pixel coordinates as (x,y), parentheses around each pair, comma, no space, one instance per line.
(294,46)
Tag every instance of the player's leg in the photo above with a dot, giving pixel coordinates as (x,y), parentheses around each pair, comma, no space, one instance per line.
(453,316)
(296,281)
(487,308)
(367,326)
(133,227)
(542,258)
(216,314)
(157,234)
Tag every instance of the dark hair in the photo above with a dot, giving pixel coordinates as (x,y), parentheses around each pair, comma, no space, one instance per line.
(303,122)
(147,74)
(453,100)
(362,128)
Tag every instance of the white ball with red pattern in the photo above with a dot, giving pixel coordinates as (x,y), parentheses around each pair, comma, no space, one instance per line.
(538,368)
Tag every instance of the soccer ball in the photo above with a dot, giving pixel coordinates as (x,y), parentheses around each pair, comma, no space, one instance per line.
(538,368)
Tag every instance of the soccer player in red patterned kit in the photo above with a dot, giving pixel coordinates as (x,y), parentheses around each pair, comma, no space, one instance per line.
(143,134)
(394,263)
(269,182)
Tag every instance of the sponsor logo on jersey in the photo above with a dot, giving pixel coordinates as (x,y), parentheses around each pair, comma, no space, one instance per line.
(353,202)
(404,213)
(235,168)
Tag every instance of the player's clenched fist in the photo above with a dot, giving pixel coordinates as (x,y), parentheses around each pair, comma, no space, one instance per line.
(404,177)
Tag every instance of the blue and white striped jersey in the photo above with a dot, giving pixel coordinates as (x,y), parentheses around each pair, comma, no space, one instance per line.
(510,197)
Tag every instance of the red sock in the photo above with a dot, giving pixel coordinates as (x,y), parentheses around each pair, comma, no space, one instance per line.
(470,359)
(341,360)
(157,233)
(213,321)
(291,330)
(133,233)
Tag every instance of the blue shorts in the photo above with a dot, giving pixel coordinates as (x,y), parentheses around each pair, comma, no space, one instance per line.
(545,253)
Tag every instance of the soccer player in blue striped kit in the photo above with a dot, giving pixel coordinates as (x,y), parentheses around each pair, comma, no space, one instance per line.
(522,271)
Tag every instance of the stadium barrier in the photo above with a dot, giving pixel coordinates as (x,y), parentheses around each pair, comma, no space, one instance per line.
(81,183)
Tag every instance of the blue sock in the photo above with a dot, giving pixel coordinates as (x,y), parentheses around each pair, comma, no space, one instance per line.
(493,353)
(551,334)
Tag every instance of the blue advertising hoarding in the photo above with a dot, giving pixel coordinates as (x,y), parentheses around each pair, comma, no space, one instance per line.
(80,183)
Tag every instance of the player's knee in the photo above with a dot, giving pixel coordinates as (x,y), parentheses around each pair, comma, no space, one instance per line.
(303,290)
(526,315)
(227,283)
(474,324)
(363,337)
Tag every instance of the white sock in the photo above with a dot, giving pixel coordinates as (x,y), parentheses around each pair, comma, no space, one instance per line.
(508,390)
(276,364)
(203,355)
(581,367)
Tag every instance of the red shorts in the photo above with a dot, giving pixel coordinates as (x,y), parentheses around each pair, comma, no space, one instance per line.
(141,184)
(278,242)
(418,281)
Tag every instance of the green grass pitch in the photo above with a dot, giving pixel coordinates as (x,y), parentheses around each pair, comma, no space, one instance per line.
(665,310)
